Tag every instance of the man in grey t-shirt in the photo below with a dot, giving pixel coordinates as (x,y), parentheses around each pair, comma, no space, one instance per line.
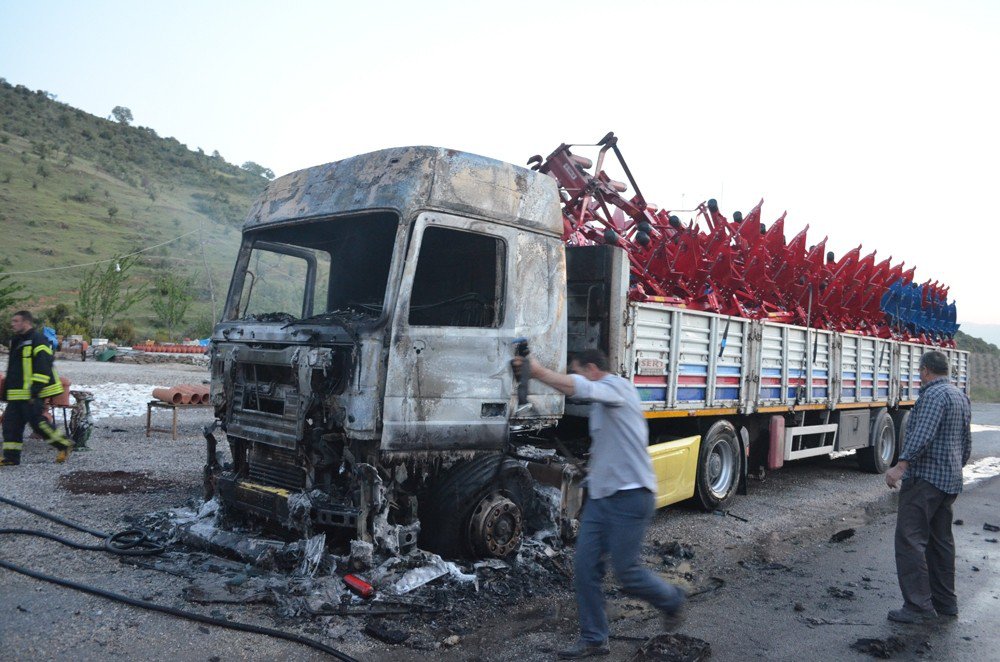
(621,489)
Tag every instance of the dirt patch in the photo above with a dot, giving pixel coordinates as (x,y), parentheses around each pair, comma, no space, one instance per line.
(113,482)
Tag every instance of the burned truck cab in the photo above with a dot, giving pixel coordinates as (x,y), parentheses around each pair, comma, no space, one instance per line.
(360,371)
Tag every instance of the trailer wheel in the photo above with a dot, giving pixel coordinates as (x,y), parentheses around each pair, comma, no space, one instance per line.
(881,450)
(476,509)
(900,419)
(718,466)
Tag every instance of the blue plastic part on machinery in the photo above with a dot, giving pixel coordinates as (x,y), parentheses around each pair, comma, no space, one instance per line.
(916,309)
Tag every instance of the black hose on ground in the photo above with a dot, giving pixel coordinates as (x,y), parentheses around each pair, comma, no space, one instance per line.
(53,518)
(134,542)
(180,613)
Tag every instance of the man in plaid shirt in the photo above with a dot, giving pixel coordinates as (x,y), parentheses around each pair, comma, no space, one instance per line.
(937,445)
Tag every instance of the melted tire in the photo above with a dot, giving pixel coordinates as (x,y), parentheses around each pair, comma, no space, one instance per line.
(718,473)
(447,506)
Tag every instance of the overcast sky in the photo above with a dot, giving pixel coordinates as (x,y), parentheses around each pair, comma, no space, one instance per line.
(875,122)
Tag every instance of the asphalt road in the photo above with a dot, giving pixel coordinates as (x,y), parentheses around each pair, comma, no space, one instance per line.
(782,557)
(779,557)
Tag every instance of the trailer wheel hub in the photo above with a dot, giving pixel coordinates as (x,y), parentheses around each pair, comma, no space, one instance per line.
(495,527)
(714,467)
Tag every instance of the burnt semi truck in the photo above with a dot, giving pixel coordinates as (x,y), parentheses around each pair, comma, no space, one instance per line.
(361,369)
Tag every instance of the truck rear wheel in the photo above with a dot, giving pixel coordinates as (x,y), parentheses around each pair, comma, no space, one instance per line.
(900,419)
(476,509)
(881,450)
(718,466)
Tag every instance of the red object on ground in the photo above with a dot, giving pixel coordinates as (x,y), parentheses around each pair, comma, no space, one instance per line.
(61,400)
(359,586)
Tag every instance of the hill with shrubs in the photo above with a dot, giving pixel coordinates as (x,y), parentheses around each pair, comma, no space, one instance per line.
(79,192)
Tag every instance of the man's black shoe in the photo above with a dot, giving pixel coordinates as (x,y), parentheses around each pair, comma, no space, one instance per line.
(905,615)
(945,612)
(584,649)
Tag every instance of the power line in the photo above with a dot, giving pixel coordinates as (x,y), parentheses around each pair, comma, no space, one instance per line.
(111,259)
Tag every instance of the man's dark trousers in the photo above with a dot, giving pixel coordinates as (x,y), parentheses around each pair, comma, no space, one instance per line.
(616,525)
(27,412)
(925,548)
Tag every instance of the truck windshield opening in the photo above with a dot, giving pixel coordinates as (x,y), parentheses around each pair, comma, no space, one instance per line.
(339,265)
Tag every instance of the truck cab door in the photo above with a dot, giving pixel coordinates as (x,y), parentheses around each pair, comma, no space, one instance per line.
(448,380)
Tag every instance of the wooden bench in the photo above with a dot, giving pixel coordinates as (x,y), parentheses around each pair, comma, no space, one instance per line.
(160,404)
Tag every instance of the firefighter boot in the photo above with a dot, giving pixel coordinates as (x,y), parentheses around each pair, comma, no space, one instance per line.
(11,454)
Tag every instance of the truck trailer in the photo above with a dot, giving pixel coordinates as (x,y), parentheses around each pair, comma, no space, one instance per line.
(361,369)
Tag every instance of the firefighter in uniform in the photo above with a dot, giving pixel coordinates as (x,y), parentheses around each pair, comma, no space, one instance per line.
(30,379)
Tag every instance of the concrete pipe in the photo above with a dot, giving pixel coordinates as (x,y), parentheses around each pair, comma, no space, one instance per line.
(171,395)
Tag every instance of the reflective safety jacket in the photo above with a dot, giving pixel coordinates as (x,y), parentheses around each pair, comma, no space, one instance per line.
(30,372)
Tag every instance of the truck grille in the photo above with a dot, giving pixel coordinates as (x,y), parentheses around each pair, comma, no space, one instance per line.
(276,467)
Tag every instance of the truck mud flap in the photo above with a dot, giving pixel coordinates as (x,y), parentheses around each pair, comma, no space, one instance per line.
(744,460)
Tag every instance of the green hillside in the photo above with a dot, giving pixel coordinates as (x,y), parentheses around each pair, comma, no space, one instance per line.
(77,189)
(976,345)
(984,367)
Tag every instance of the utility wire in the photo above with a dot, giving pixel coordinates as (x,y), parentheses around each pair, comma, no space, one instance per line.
(110,259)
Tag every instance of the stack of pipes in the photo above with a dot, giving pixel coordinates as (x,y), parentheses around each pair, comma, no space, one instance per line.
(183,394)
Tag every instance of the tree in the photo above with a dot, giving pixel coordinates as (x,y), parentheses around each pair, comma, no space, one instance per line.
(171,297)
(257,169)
(105,293)
(10,291)
(40,148)
(122,115)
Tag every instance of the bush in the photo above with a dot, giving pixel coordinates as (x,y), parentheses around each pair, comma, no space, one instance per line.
(83,195)
(122,333)
(203,327)
(72,326)
(984,394)
(57,314)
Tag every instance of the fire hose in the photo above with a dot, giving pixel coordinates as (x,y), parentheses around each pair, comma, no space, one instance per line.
(135,542)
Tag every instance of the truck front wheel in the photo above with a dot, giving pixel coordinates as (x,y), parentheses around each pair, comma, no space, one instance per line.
(476,509)
(718,466)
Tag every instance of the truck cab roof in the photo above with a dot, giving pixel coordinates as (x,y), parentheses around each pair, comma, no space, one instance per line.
(408,179)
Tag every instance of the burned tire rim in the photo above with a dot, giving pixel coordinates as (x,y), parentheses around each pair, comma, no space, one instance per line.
(495,527)
(720,466)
